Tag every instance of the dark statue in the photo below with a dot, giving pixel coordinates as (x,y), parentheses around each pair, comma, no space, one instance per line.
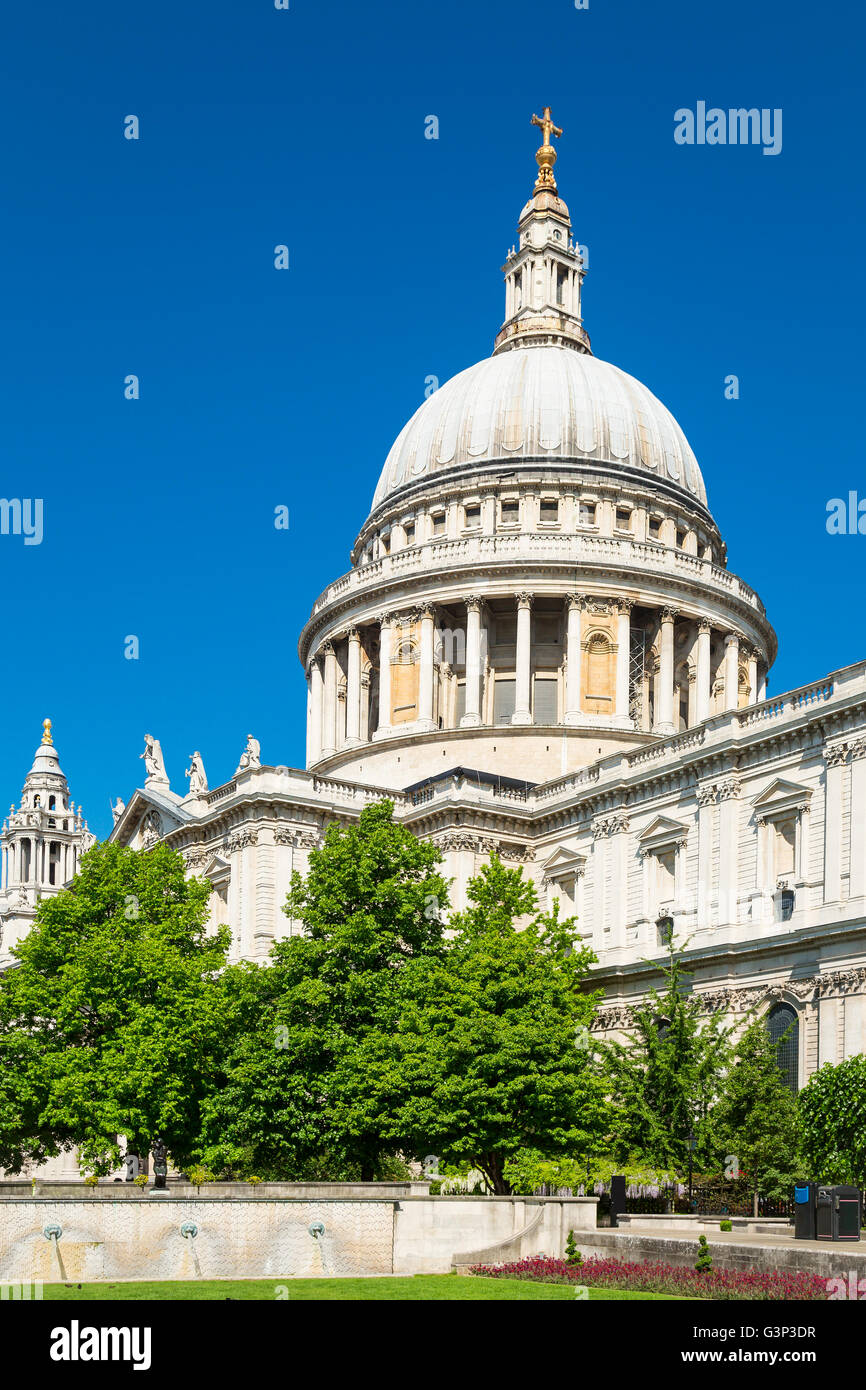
(160,1163)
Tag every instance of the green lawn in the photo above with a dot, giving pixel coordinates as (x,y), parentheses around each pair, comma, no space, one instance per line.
(419,1288)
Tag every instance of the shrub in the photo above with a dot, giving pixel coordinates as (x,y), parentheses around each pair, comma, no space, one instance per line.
(572,1254)
(253,1180)
(141,1181)
(199,1174)
(657,1277)
(725,1226)
(704,1262)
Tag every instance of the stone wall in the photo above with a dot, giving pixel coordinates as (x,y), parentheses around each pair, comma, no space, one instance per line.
(139,1237)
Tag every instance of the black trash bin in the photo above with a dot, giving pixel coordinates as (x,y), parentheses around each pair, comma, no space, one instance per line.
(805,1207)
(846,1212)
(824,1213)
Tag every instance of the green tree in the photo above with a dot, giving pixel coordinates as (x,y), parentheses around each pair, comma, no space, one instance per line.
(832,1106)
(484,1050)
(666,1078)
(111,1023)
(757,1119)
(371,904)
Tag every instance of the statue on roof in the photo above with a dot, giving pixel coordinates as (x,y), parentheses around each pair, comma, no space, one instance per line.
(196,774)
(153,761)
(251,756)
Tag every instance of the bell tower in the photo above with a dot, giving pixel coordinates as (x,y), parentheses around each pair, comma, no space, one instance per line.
(544,271)
(41,843)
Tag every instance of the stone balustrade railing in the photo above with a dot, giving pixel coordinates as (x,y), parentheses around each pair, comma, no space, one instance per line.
(578,549)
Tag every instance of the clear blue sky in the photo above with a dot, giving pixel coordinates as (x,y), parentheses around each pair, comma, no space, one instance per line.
(261,388)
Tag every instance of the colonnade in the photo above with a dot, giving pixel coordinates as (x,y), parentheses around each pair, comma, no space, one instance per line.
(345,664)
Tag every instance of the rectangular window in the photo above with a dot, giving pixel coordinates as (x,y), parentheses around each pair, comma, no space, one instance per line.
(544,700)
(586,513)
(503,701)
(665,879)
(623,519)
(461,700)
(509,512)
(681,538)
(472,516)
(786,839)
(655,527)
(549,511)
(410,533)
(438,523)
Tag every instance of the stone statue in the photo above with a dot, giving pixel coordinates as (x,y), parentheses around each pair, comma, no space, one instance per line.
(153,760)
(196,774)
(251,756)
(118,809)
(160,1162)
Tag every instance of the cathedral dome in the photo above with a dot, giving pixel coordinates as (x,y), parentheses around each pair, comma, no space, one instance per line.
(541,403)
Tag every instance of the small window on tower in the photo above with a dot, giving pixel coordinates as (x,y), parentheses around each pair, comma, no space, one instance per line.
(655,527)
(623,519)
(561,277)
(549,510)
(438,523)
(509,512)
(472,515)
(410,533)
(586,513)
(557,234)
(681,538)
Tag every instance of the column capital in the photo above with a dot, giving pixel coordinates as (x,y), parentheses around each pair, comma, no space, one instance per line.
(625,605)
(575,601)
(669,615)
(326,648)
(474,603)
(704,625)
(525,600)
(732,637)
(385,619)
(427,610)
(353,634)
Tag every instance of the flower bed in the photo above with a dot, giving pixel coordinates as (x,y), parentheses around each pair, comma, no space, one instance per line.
(656,1277)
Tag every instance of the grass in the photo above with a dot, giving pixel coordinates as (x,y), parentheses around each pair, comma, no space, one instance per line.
(419,1288)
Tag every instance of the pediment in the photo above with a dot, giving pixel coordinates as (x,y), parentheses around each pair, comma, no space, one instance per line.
(216,870)
(146,819)
(781,796)
(563,861)
(662,831)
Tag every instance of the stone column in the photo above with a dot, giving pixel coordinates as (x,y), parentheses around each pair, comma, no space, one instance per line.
(329,722)
(857,880)
(623,654)
(425,674)
(522,711)
(728,792)
(706,821)
(703,672)
(386,632)
(664,723)
(353,689)
(472,715)
(835,758)
(316,710)
(732,671)
(752,657)
(574,604)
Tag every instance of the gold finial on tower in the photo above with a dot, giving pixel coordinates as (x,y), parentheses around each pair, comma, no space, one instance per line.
(546,156)
(46,736)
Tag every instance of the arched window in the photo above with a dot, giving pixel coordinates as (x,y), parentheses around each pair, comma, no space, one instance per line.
(783,1028)
(598,667)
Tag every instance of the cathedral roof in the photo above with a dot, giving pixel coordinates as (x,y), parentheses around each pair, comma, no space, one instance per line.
(541,403)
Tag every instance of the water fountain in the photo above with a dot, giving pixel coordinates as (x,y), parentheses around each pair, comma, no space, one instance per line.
(317,1231)
(189,1231)
(53,1234)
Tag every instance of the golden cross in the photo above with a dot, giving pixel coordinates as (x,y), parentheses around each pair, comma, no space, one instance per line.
(545,123)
